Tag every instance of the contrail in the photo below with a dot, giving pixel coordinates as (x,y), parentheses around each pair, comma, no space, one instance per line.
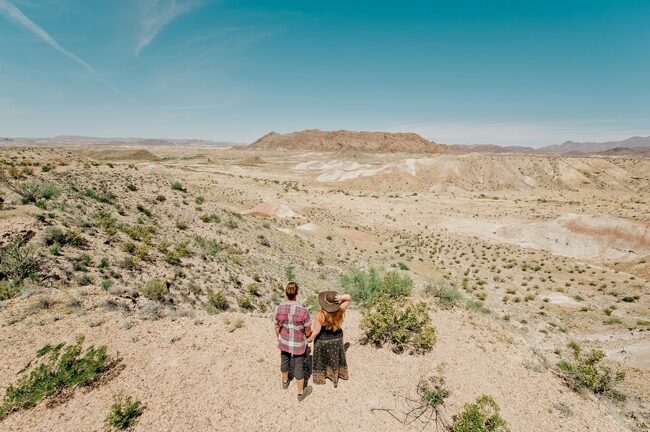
(14,14)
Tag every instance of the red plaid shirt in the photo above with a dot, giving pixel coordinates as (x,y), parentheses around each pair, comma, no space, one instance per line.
(292,319)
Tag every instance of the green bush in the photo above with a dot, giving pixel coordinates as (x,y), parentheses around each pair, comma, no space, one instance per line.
(585,371)
(480,416)
(217,301)
(476,306)
(55,369)
(445,294)
(74,238)
(399,323)
(124,413)
(155,289)
(207,218)
(290,274)
(18,260)
(366,287)
(32,190)
(178,186)
(8,289)
(100,196)
(245,302)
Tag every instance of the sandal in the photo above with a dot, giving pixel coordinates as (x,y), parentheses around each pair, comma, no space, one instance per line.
(285,385)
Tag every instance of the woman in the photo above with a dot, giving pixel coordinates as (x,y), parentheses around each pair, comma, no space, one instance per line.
(329,352)
(292,327)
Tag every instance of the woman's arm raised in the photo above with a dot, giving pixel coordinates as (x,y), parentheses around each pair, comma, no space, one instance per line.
(344,300)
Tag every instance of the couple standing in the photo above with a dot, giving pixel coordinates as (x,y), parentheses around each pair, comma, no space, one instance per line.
(294,330)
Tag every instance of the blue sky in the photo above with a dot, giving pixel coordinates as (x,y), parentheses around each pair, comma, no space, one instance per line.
(465,71)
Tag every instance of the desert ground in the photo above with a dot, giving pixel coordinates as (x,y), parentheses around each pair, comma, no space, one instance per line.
(544,250)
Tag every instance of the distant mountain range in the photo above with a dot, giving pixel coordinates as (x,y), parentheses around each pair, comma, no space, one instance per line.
(639,146)
(594,147)
(75,140)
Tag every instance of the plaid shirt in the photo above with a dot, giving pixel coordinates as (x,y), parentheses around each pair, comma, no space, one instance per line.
(292,319)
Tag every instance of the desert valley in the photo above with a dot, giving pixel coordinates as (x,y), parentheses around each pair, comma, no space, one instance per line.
(173,256)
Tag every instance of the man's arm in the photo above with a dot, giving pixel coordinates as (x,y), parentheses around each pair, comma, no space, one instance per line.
(277,330)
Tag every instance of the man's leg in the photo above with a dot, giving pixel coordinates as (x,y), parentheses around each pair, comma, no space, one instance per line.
(299,373)
(284,368)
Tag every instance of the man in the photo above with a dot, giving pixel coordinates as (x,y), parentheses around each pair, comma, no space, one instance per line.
(292,328)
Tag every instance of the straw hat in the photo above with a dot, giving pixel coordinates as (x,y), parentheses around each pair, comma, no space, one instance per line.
(327,300)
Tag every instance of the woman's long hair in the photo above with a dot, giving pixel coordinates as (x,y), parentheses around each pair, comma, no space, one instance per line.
(332,320)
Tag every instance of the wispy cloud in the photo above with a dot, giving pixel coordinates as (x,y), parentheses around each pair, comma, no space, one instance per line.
(532,133)
(11,12)
(156,15)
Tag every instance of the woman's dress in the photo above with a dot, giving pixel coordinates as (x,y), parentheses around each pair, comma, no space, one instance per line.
(329,357)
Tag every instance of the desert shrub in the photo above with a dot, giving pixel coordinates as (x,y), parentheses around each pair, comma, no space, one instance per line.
(400,265)
(139,232)
(8,289)
(128,263)
(366,287)
(476,306)
(396,285)
(161,198)
(105,220)
(445,293)
(199,200)
(74,238)
(253,289)
(290,273)
(231,224)
(181,225)
(18,260)
(129,247)
(55,369)
(155,289)
(245,302)
(217,301)
(124,413)
(106,284)
(207,218)
(399,323)
(178,186)
(208,247)
(82,263)
(263,241)
(100,196)
(32,190)
(480,416)
(142,209)
(131,187)
(584,371)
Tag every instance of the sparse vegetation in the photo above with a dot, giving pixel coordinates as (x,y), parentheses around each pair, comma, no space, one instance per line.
(217,301)
(155,289)
(445,293)
(400,324)
(19,260)
(480,416)
(584,371)
(55,370)
(124,413)
(366,287)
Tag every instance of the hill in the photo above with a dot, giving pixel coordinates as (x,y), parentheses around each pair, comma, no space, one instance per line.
(314,139)
(594,147)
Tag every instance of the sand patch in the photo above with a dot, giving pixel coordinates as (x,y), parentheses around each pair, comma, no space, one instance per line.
(270,210)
